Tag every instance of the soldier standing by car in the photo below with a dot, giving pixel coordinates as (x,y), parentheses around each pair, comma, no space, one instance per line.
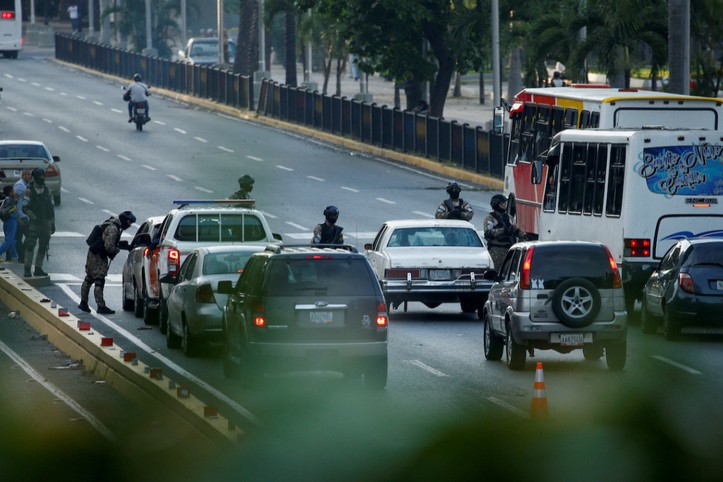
(328,232)
(100,254)
(499,231)
(38,206)
(245,185)
(454,207)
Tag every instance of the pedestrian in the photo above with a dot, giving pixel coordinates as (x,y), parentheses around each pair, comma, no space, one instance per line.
(245,186)
(38,206)
(97,261)
(454,207)
(73,14)
(9,214)
(499,231)
(328,232)
(21,232)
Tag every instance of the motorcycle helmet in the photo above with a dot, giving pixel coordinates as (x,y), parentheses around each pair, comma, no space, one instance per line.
(246,181)
(453,189)
(496,200)
(331,213)
(39,176)
(137,78)
(126,218)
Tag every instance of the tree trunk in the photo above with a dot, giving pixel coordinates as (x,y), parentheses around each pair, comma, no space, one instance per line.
(247,44)
(457,91)
(290,46)
(481,87)
(440,87)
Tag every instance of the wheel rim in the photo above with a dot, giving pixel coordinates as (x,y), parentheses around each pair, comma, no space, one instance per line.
(577,302)
(486,336)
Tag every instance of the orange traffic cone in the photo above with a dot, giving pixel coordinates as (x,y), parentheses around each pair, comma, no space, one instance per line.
(539,398)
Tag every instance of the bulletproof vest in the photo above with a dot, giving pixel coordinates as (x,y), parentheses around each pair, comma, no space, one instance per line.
(449,204)
(40,203)
(503,239)
(330,234)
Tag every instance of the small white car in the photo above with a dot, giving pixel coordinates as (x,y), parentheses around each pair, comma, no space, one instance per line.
(432,261)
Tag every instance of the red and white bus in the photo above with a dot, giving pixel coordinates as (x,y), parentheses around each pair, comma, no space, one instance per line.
(537,114)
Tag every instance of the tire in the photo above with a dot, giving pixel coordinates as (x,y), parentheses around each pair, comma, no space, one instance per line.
(671,326)
(468,305)
(630,309)
(189,343)
(172,340)
(375,375)
(515,353)
(150,316)
(576,302)
(616,354)
(493,344)
(128,305)
(138,305)
(162,313)
(648,324)
(592,352)
(139,124)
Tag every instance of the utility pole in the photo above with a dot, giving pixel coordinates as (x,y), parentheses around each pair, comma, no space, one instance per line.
(219,27)
(496,77)
(184,21)
(679,46)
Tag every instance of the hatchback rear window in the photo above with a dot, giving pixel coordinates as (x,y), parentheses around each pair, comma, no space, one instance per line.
(224,263)
(332,277)
(553,264)
(705,254)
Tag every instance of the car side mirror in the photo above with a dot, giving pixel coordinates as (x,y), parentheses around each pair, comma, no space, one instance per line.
(225,287)
(56,158)
(142,240)
(181,54)
(276,236)
(368,246)
(168,278)
(536,171)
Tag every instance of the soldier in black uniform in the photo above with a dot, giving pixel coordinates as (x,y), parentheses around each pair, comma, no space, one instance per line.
(328,232)
(38,205)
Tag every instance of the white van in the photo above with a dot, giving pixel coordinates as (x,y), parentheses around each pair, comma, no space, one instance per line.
(11,28)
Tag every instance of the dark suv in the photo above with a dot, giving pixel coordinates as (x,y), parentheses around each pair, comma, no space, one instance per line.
(304,307)
(559,295)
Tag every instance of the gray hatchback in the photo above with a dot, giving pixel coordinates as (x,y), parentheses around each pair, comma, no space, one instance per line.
(558,295)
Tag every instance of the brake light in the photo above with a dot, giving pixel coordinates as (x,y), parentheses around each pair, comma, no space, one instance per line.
(174,260)
(52,171)
(617,280)
(686,282)
(258,316)
(204,294)
(400,273)
(318,256)
(382,318)
(526,266)
(636,248)
(7,15)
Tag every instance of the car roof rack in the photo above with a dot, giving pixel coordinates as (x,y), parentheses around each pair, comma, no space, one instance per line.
(238,203)
(278,248)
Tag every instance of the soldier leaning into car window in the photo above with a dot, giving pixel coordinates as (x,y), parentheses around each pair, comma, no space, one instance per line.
(454,207)
(499,231)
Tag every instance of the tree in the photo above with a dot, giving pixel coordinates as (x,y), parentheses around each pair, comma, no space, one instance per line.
(247,44)
(289,10)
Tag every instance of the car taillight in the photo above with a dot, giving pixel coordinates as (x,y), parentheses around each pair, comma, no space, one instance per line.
(526,266)
(636,248)
(258,317)
(7,15)
(52,171)
(382,318)
(204,294)
(686,282)
(617,281)
(174,260)
(400,273)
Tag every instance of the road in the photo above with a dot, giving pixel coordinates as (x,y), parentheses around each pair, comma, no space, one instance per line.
(438,375)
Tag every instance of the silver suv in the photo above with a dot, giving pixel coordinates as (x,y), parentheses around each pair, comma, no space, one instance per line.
(556,295)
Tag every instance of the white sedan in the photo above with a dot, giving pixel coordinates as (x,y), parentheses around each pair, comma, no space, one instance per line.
(432,261)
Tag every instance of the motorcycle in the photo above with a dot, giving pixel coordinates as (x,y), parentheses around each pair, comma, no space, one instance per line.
(140,116)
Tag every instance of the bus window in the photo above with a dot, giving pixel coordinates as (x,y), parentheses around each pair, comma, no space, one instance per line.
(590,184)
(616,177)
(577,179)
(584,119)
(551,188)
(565,170)
(570,117)
(514,150)
(595,119)
(527,144)
(556,120)
(542,130)
(600,169)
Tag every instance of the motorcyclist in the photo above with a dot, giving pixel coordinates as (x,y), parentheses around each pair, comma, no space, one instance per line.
(137,93)
(499,231)
(328,232)
(245,186)
(454,207)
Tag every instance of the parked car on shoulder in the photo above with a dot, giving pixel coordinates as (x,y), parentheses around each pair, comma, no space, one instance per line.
(135,270)
(686,289)
(18,155)
(194,303)
(432,261)
(556,295)
(305,308)
(204,51)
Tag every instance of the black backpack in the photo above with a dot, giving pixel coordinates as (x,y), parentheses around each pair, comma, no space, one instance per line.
(95,238)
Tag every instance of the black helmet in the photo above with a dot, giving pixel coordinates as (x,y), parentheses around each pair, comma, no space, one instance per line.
(331,213)
(39,176)
(246,181)
(126,219)
(137,77)
(496,200)
(453,189)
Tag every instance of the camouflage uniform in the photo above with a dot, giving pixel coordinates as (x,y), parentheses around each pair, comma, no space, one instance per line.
(96,265)
(326,233)
(246,185)
(500,234)
(240,194)
(454,209)
(38,205)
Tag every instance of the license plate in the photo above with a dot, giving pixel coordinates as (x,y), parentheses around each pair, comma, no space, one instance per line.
(719,285)
(141,111)
(321,317)
(572,339)
(439,274)
(20,174)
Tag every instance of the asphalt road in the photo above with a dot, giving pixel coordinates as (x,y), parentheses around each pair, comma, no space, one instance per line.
(438,376)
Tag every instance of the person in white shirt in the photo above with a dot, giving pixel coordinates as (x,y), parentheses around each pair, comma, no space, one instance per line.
(73,14)
(138,93)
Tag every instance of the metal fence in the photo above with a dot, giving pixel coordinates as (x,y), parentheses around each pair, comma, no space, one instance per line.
(460,145)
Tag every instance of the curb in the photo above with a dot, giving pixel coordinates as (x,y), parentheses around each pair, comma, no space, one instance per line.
(138,382)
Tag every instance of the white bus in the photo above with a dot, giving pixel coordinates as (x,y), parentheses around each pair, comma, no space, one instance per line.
(638,191)
(11,28)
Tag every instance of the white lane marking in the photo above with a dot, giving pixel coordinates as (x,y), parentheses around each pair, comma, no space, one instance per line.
(13,109)
(29,114)
(64,129)
(316,178)
(159,122)
(47,120)
(306,236)
(676,364)
(387,201)
(507,406)
(177,368)
(81,138)
(50,89)
(150,168)
(117,110)
(34,84)
(58,393)
(86,201)
(202,189)
(268,215)
(200,139)
(104,149)
(423,214)
(68,234)
(426,367)
(294,225)
(284,168)
(255,158)
(349,189)
(80,97)
(121,156)
(361,234)
(175,178)
(180,130)
(225,149)
(109,212)
(97,102)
